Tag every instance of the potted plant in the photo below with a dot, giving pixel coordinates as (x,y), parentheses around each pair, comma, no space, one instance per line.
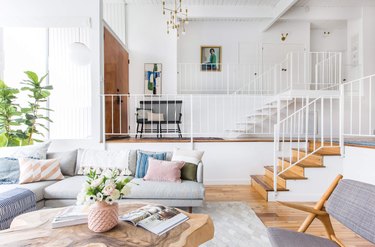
(100,191)
(19,125)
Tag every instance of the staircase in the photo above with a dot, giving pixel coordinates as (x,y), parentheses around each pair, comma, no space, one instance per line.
(264,184)
(262,120)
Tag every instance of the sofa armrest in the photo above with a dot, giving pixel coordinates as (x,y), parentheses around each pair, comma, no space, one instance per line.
(200,172)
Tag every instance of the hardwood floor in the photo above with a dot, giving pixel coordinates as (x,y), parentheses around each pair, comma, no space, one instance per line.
(274,214)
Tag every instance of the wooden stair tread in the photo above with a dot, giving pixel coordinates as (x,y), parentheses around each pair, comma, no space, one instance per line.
(304,163)
(304,151)
(266,183)
(287,174)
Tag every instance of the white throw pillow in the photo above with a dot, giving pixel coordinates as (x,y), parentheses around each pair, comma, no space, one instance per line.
(102,160)
(36,151)
(155,117)
(189,156)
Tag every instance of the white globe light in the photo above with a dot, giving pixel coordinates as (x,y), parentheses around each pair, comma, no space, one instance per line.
(79,53)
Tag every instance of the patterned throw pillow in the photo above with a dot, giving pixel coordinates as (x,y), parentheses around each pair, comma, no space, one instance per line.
(103,160)
(9,171)
(142,162)
(32,170)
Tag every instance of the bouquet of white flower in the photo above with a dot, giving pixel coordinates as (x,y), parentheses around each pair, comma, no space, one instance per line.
(105,187)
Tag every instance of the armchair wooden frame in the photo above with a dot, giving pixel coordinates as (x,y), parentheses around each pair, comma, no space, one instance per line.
(318,211)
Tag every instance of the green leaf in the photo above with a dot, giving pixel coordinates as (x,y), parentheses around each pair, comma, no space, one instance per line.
(43,77)
(3,138)
(32,76)
(49,87)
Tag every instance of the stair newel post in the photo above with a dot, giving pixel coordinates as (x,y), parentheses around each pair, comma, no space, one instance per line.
(307,125)
(342,119)
(276,145)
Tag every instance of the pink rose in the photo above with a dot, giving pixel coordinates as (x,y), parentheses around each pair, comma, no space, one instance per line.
(108,189)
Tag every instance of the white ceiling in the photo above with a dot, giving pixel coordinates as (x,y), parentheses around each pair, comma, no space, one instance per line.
(335,3)
(232,19)
(267,3)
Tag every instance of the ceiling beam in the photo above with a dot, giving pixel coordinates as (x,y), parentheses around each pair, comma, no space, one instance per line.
(279,10)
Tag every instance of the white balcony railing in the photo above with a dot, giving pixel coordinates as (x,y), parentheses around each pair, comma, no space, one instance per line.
(298,71)
(202,115)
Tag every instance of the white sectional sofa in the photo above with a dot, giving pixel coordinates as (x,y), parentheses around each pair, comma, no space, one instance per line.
(62,193)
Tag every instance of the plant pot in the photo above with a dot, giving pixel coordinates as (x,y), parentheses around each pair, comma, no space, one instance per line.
(102,216)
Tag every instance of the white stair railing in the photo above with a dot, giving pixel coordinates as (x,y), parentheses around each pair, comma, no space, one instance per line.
(309,129)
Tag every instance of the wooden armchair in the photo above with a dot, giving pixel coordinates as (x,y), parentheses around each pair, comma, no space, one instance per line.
(348,201)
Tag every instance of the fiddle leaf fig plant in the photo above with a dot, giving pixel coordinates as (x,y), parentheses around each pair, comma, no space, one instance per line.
(19,125)
(33,116)
(8,113)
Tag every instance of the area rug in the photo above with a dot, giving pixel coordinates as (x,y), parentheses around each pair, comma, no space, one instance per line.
(236,225)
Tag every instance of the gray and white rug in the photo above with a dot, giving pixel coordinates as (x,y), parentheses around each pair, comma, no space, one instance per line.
(236,225)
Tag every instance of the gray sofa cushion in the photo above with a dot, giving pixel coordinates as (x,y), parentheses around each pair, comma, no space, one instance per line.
(286,238)
(353,204)
(37,188)
(166,190)
(70,187)
(65,189)
(67,161)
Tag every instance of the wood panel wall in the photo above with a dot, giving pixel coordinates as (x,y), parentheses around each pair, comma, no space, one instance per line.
(116,81)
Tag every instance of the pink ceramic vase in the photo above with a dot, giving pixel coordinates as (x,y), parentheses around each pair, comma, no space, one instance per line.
(102,216)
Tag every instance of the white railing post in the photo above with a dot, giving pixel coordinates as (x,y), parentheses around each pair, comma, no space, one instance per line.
(275,155)
(103,121)
(191,122)
(276,145)
(342,119)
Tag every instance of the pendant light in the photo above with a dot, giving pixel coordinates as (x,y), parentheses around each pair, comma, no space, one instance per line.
(79,53)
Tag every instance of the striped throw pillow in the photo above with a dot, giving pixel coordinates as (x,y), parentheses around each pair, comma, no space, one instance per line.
(32,170)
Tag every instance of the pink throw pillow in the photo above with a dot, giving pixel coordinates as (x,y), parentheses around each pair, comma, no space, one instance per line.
(162,170)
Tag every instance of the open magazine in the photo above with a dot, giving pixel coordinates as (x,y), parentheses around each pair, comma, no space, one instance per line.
(157,219)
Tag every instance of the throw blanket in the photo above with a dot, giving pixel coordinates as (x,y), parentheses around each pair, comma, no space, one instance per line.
(13,203)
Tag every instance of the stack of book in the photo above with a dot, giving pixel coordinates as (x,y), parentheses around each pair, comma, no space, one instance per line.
(74,215)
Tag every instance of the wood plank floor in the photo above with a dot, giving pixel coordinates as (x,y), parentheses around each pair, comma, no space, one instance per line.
(273,214)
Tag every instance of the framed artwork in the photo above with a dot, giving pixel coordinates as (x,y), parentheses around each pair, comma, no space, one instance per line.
(211,58)
(153,76)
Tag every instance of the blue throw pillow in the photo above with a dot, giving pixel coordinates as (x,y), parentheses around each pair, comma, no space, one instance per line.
(142,162)
(9,171)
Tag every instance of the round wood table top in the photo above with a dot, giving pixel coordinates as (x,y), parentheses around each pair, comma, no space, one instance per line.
(34,229)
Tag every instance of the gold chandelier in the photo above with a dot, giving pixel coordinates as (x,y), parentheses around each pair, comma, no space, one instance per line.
(178,17)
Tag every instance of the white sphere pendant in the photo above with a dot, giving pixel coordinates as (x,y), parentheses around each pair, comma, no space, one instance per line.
(79,53)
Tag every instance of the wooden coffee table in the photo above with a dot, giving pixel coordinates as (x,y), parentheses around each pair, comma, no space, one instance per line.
(34,229)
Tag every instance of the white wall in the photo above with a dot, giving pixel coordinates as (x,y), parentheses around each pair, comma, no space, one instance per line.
(336,41)
(230,35)
(368,21)
(148,42)
(359,164)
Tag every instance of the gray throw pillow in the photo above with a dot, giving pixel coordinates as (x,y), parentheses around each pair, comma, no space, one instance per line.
(67,161)
(9,171)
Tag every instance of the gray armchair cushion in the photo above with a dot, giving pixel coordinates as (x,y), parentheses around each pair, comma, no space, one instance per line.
(67,161)
(353,204)
(287,238)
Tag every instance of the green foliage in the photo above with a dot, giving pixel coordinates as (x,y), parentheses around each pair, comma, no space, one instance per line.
(14,119)
(38,95)
(8,113)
